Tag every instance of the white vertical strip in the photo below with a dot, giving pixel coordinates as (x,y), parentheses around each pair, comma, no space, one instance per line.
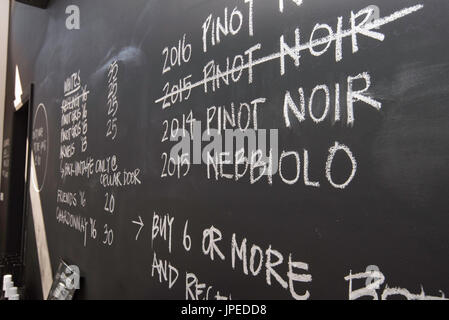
(41,236)
(4,30)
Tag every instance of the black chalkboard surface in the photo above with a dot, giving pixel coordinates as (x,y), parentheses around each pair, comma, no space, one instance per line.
(346,200)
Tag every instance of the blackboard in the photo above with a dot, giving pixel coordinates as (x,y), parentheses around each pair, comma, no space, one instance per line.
(352,97)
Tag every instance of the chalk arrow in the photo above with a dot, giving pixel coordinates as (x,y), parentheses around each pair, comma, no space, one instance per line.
(140,223)
(281,4)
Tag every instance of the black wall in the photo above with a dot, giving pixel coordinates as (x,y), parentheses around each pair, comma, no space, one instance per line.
(392,215)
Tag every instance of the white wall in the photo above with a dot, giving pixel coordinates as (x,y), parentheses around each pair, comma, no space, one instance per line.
(4,28)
